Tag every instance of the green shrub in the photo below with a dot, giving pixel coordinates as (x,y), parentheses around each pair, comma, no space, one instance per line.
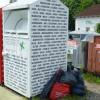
(92,78)
(98,28)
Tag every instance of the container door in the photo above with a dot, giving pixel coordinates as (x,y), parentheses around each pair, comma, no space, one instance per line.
(16,51)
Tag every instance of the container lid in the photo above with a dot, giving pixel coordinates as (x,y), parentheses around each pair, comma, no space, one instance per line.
(20,4)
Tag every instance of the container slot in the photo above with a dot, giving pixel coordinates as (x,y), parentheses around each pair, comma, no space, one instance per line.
(13,33)
(22,33)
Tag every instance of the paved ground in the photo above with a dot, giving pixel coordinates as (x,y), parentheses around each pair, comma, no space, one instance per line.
(7,94)
(93,87)
(94,91)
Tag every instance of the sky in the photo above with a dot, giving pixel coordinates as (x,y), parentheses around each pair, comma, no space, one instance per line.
(3,2)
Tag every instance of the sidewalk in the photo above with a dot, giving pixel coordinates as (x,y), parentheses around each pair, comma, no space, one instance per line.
(7,94)
(94,90)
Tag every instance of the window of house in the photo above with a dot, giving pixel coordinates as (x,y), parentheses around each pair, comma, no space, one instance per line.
(78,28)
(87,29)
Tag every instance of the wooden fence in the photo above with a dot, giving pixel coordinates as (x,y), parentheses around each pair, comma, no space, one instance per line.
(94,56)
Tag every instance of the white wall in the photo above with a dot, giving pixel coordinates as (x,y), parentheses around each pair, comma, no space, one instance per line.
(82,23)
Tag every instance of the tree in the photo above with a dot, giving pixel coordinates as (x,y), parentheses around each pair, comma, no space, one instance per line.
(96,1)
(75,7)
(98,28)
(71,4)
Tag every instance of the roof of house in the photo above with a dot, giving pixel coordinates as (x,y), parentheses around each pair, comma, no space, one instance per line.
(94,10)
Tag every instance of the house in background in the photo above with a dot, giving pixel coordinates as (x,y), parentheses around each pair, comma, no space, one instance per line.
(87,20)
(85,30)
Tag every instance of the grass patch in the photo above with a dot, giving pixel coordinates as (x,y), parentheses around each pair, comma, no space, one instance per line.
(36,98)
(74,97)
(91,78)
(70,97)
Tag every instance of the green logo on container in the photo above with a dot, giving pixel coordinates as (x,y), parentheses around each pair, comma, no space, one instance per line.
(22,45)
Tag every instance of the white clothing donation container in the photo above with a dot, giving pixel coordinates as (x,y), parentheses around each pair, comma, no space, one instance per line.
(34,43)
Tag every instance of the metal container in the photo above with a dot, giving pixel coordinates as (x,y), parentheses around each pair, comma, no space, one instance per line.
(34,40)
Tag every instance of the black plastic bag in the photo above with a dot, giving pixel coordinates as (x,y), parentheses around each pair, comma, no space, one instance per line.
(79,88)
(78,74)
(70,67)
(68,78)
(47,88)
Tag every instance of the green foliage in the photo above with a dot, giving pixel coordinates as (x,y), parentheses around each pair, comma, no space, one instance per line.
(98,28)
(91,78)
(75,97)
(71,97)
(83,5)
(75,7)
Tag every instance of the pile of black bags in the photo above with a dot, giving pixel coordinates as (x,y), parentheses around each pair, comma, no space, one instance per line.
(72,77)
(79,88)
